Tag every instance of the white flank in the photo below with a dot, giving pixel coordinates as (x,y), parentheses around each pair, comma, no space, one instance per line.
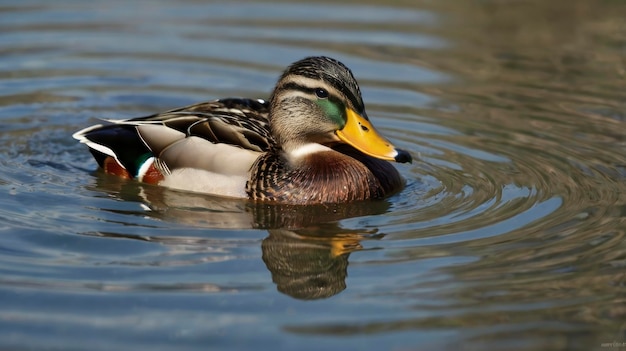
(201,181)
(195,152)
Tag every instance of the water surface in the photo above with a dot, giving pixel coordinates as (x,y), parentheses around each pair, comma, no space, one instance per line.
(509,233)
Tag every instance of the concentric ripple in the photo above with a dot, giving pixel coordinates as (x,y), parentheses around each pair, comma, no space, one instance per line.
(509,233)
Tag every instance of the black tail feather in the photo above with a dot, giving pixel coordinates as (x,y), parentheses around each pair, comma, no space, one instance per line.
(124,141)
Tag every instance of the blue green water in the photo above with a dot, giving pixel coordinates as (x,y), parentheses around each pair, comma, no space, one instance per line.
(509,233)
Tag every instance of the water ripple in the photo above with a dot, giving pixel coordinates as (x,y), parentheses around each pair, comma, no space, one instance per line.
(511,224)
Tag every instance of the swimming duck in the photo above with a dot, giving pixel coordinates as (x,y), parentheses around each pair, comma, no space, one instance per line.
(311,142)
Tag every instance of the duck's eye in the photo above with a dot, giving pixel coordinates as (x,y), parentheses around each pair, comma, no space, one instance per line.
(321,93)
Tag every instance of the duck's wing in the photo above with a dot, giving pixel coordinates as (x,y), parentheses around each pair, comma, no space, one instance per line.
(223,136)
(233,121)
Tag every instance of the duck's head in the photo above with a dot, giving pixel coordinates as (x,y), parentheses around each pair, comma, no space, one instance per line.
(317,101)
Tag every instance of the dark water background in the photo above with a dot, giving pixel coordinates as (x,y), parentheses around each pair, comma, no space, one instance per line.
(510,234)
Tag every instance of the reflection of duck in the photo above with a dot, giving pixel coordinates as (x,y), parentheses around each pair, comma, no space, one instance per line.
(218,212)
(308,267)
(311,143)
(306,252)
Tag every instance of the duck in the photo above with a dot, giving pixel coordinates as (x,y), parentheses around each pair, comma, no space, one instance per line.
(311,142)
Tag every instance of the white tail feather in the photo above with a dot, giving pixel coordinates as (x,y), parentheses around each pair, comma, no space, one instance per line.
(80,136)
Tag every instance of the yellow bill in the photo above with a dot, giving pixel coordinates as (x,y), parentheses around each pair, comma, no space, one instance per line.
(361,135)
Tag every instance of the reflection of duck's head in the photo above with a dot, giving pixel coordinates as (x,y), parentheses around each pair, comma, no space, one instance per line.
(308,267)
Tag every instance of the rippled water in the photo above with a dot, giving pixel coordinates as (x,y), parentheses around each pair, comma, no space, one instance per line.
(509,234)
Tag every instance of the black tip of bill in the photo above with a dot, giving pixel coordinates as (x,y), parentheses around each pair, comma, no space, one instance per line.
(403,157)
